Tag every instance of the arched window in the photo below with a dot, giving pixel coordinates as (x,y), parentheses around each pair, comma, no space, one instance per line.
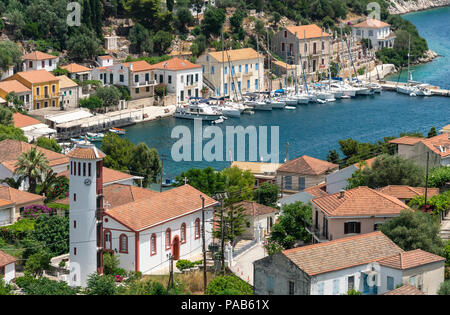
(123,246)
(197,228)
(168,238)
(107,240)
(183,233)
(153,245)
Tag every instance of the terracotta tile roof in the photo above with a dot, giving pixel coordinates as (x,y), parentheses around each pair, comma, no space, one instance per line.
(342,253)
(74,68)
(10,151)
(439,144)
(38,55)
(368,163)
(307,165)
(88,152)
(360,201)
(36,76)
(407,192)
(138,66)
(6,259)
(317,190)
(18,197)
(307,31)
(410,259)
(13,86)
(253,209)
(175,64)
(236,54)
(4,202)
(371,23)
(167,205)
(105,57)
(119,194)
(406,140)
(257,167)
(65,82)
(21,120)
(405,289)
(110,176)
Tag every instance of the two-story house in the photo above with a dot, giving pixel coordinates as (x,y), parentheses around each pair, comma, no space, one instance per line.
(44,87)
(182,77)
(306,45)
(233,72)
(78,72)
(369,263)
(38,60)
(303,172)
(405,193)
(20,90)
(70,92)
(379,33)
(356,211)
(435,150)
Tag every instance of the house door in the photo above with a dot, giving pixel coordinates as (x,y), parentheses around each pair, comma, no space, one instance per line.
(176,248)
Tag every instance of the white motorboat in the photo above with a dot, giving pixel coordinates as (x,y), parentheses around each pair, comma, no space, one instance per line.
(375,86)
(197,111)
(258,105)
(276,103)
(290,107)
(288,100)
(301,98)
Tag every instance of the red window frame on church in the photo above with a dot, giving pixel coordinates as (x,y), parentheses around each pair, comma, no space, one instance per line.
(197,228)
(121,247)
(153,245)
(183,233)
(168,236)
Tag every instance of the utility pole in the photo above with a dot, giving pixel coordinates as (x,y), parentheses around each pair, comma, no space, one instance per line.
(203,243)
(161,176)
(222,245)
(170,284)
(426,179)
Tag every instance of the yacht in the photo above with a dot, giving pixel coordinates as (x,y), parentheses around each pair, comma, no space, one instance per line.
(276,103)
(197,111)
(375,86)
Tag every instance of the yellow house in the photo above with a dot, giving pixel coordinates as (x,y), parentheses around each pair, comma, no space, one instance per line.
(44,87)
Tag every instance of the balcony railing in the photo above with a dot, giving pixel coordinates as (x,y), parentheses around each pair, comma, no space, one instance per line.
(143,83)
(316,233)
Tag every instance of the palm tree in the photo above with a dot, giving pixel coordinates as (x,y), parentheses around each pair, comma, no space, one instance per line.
(31,165)
(12,182)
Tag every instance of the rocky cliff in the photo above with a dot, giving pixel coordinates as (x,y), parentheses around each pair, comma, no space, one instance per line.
(405,6)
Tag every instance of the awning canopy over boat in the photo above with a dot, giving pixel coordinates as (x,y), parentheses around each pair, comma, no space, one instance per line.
(279,91)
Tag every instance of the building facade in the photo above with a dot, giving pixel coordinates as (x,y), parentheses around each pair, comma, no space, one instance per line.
(7,267)
(70,92)
(233,72)
(37,60)
(379,33)
(20,90)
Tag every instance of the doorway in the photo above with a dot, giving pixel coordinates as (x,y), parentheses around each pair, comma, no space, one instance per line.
(176,248)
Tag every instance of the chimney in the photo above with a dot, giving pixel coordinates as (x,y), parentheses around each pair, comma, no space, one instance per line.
(131,66)
(341,194)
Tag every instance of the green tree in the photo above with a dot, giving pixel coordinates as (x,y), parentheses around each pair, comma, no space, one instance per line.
(238,184)
(197,6)
(267,194)
(110,263)
(389,170)
(49,143)
(438,177)
(53,186)
(119,151)
(83,46)
(333,156)
(11,132)
(101,285)
(213,19)
(291,226)
(6,116)
(10,55)
(207,180)
(5,288)
(53,233)
(12,98)
(140,39)
(149,13)
(44,286)
(432,133)
(162,41)
(444,289)
(184,18)
(414,230)
(109,95)
(230,284)
(12,182)
(31,165)
(92,103)
(37,263)
(235,222)
(145,162)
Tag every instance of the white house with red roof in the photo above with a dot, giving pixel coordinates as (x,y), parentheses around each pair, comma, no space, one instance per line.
(369,263)
(181,76)
(378,32)
(7,267)
(141,232)
(38,60)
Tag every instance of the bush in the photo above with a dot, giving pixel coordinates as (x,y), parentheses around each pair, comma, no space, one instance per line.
(49,144)
(101,285)
(110,263)
(224,284)
(21,228)
(34,211)
(5,288)
(37,263)
(44,286)
(444,289)
(184,264)
(438,177)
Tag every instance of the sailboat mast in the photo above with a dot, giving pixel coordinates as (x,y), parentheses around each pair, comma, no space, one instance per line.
(409,52)
(223,66)
(259,78)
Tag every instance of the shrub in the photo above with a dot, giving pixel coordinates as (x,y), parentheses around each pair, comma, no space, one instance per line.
(110,263)
(34,211)
(444,289)
(230,283)
(439,176)
(44,286)
(184,264)
(101,285)
(5,288)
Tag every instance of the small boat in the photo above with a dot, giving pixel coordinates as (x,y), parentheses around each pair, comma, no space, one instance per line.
(290,107)
(276,103)
(117,131)
(320,101)
(197,111)
(218,121)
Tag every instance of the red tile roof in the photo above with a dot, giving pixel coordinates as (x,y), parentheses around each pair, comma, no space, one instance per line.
(367,163)
(10,150)
(13,86)
(175,64)
(406,289)
(410,259)
(74,68)
(21,120)
(406,140)
(35,76)
(6,259)
(371,23)
(407,192)
(342,253)
(105,57)
(317,190)
(254,209)
(4,202)
(439,144)
(138,66)
(360,201)
(110,176)
(89,152)
(38,55)
(307,31)
(19,197)
(307,165)
(167,205)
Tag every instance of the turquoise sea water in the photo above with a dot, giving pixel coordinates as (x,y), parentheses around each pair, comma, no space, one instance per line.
(316,128)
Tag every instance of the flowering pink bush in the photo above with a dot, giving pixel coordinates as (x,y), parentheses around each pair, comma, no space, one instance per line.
(33,211)
(118,278)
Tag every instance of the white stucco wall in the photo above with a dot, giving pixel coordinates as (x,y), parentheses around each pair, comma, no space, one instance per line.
(10,272)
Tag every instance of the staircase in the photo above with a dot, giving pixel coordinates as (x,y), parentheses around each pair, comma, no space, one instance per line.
(242,246)
(209,84)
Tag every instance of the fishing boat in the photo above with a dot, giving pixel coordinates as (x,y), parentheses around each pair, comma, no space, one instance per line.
(197,111)
(118,131)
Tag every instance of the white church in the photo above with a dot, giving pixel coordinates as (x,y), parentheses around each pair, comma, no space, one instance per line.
(140,226)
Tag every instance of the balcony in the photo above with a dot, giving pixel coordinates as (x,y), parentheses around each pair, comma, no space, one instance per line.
(316,233)
(142,84)
(45,96)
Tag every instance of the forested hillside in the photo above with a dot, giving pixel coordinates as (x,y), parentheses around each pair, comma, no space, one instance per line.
(156,24)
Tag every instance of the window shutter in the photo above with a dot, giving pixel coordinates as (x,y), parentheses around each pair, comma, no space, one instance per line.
(345,228)
(358,227)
